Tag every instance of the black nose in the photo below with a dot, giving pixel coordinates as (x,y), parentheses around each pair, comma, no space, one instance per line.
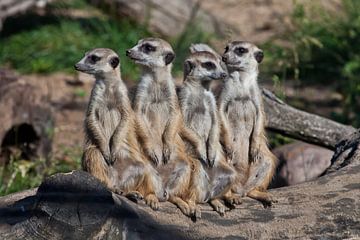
(128,52)
(76,66)
(224,58)
(223,75)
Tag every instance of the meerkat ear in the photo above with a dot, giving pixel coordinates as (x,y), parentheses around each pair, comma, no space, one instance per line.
(188,67)
(169,57)
(114,62)
(259,56)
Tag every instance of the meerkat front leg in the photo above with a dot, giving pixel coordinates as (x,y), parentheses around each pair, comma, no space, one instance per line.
(225,139)
(214,136)
(255,140)
(152,151)
(171,129)
(120,133)
(190,136)
(96,132)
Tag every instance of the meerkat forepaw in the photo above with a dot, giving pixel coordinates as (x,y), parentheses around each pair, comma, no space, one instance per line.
(220,209)
(152,201)
(230,153)
(197,213)
(134,196)
(113,157)
(154,157)
(166,153)
(107,158)
(211,160)
(255,155)
(233,200)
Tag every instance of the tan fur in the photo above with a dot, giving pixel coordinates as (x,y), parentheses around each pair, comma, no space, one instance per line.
(215,177)
(242,121)
(111,150)
(159,121)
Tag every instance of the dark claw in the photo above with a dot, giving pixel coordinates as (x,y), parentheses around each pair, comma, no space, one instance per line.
(154,159)
(135,197)
(211,162)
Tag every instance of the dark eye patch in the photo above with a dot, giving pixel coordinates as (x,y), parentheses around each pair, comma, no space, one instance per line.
(93,58)
(146,48)
(208,65)
(240,51)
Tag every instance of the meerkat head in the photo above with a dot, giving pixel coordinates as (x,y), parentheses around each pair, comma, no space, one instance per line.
(99,61)
(203,66)
(242,56)
(152,52)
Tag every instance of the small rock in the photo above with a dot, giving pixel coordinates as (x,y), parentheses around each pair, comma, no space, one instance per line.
(300,162)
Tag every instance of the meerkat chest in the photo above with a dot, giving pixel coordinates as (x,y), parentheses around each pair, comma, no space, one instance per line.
(159,104)
(198,114)
(241,111)
(108,112)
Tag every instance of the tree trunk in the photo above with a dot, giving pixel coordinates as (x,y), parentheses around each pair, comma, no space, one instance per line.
(26,118)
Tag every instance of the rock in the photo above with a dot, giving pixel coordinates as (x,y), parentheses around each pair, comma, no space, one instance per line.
(169,18)
(300,162)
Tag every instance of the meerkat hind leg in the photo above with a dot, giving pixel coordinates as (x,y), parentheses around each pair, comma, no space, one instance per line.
(134,196)
(181,204)
(264,197)
(231,199)
(218,206)
(94,163)
(195,210)
(130,178)
(152,201)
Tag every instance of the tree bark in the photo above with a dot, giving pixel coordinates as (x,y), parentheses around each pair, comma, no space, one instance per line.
(77,206)
(301,125)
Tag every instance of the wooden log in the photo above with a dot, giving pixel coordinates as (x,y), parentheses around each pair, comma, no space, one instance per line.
(301,125)
(77,206)
(26,117)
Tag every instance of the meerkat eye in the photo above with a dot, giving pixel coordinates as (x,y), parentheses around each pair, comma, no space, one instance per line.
(94,58)
(241,50)
(208,65)
(148,48)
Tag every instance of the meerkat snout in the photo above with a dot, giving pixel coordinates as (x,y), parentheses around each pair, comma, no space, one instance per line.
(98,61)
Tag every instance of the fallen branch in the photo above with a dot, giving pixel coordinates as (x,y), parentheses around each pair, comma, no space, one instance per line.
(301,125)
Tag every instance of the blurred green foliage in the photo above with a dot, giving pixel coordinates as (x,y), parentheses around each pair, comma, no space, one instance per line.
(324,48)
(56,42)
(19,174)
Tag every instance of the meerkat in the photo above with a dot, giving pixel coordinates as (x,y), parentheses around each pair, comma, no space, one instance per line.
(111,150)
(159,122)
(242,121)
(199,110)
